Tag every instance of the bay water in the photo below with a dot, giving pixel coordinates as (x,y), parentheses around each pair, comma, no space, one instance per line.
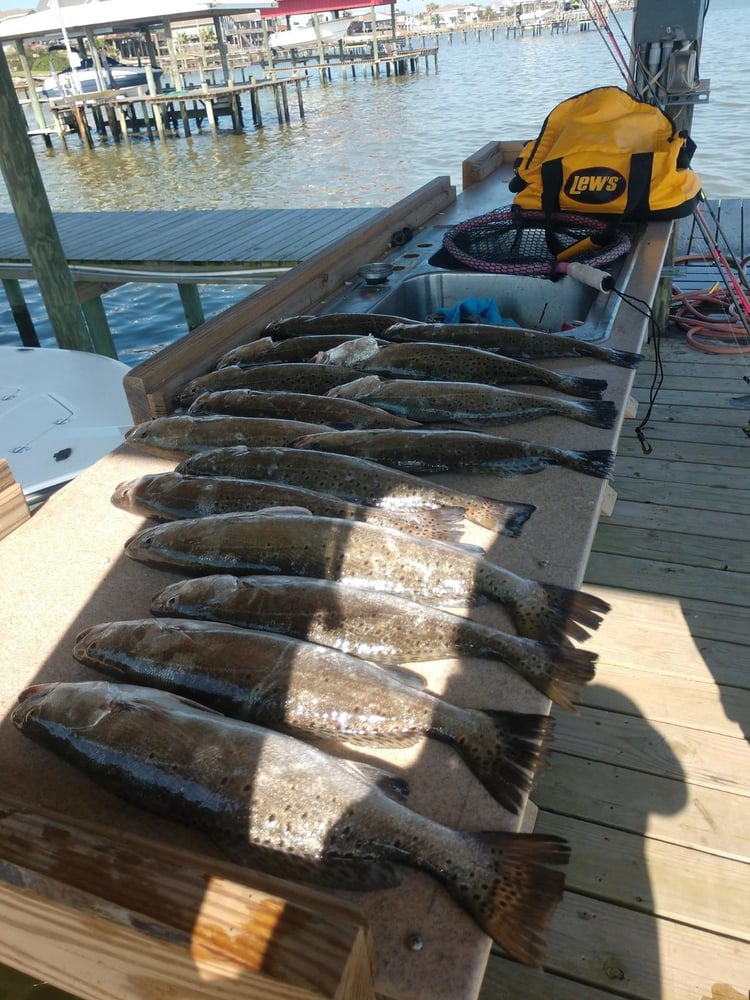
(370,141)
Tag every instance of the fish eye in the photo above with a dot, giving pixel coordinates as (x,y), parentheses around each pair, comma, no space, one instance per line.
(147,543)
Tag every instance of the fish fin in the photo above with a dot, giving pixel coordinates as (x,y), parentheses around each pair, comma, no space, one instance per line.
(598,462)
(597,412)
(574,611)
(369,739)
(392,785)
(445,524)
(589,388)
(406,676)
(502,881)
(335,873)
(507,518)
(625,359)
(505,750)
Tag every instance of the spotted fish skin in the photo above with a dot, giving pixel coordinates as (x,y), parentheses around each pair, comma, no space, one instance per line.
(288,377)
(184,434)
(364,556)
(357,480)
(380,627)
(448,362)
(266,350)
(307,689)
(170,496)
(423,452)
(287,807)
(513,342)
(469,402)
(346,324)
(315,409)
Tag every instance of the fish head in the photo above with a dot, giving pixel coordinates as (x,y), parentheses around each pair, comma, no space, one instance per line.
(245,353)
(74,705)
(128,494)
(359,388)
(190,597)
(350,353)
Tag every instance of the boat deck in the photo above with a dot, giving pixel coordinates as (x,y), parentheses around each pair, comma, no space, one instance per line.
(650,782)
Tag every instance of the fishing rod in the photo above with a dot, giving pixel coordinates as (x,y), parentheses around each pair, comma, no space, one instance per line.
(609,40)
(736,295)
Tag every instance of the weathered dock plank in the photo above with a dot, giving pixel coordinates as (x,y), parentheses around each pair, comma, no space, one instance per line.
(221,238)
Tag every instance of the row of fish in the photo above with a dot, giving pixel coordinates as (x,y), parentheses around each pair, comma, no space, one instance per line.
(311,579)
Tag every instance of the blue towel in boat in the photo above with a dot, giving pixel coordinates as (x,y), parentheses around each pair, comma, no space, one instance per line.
(473,310)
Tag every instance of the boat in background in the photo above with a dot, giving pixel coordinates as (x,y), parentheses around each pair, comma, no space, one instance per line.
(85,80)
(60,411)
(305,37)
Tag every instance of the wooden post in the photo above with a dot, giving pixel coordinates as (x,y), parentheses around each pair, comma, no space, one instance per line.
(31,85)
(191,305)
(21,314)
(101,335)
(221,42)
(177,81)
(28,198)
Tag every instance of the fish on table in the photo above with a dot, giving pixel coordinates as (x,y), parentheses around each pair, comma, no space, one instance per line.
(183,434)
(377,626)
(345,324)
(315,691)
(305,406)
(357,480)
(424,452)
(513,342)
(428,402)
(170,495)
(266,350)
(452,363)
(364,556)
(288,377)
(286,807)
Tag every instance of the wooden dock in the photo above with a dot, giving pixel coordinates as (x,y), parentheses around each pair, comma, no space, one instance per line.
(651,782)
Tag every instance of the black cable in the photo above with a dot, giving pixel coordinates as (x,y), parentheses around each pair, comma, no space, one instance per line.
(656,331)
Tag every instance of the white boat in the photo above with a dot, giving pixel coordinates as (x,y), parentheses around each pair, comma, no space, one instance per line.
(305,37)
(535,17)
(60,411)
(85,81)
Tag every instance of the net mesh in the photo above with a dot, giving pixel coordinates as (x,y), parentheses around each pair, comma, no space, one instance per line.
(510,241)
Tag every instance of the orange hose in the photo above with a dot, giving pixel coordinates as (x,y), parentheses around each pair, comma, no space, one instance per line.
(691,312)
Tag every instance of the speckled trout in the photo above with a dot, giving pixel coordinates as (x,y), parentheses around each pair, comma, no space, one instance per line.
(513,342)
(288,808)
(291,377)
(375,626)
(310,690)
(365,556)
(357,480)
(169,496)
(431,451)
(266,350)
(359,324)
(448,362)
(314,409)
(184,434)
(468,402)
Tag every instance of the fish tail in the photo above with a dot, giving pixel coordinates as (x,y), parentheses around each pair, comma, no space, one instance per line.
(505,517)
(574,611)
(501,879)
(558,671)
(589,388)
(595,412)
(544,611)
(598,462)
(505,750)
(623,359)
